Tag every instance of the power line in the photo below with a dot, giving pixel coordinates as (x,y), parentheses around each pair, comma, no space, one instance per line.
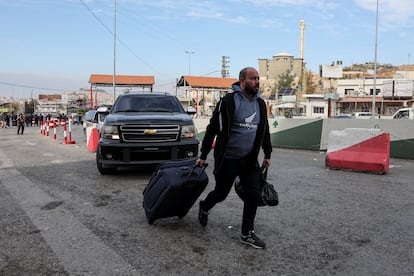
(32,87)
(120,41)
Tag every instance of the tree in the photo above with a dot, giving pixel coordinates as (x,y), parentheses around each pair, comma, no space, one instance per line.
(310,84)
(15,106)
(285,80)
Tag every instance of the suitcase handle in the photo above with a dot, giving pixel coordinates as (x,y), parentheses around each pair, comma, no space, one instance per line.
(192,170)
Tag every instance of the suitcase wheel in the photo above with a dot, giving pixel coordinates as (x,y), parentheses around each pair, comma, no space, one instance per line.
(150,221)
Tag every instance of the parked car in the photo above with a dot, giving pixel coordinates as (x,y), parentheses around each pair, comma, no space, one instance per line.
(146,128)
(342,116)
(364,115)
(95,118)
(404,113)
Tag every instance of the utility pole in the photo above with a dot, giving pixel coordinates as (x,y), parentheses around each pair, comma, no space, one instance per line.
(114,74)
(374,94)
(189,61)
(302,56)
(224,66)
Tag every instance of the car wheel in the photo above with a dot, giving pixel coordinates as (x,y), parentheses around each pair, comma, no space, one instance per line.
(101,169)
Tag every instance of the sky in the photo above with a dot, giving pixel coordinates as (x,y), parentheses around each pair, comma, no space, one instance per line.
(50,46)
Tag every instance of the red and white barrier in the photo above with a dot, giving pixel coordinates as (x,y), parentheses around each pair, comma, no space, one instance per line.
(359,149)
(47,128)
(65,139)
(51,123)
(54,130)
(70,134)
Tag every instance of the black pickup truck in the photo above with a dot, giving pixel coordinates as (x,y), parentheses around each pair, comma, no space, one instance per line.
(145,128)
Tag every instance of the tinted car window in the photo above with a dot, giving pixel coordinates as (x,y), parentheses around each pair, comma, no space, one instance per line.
(403,114)
(90,115)
(148,104)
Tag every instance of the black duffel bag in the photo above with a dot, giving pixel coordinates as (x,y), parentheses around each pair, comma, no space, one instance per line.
(268,194)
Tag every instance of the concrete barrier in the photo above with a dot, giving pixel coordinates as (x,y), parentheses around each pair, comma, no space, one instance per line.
(359,149)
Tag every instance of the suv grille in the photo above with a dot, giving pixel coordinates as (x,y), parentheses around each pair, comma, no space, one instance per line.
(149,133)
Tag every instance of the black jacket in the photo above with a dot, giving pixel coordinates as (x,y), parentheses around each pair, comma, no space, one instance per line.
(220,125)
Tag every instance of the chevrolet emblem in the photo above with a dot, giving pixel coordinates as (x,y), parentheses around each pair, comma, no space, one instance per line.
(150,131)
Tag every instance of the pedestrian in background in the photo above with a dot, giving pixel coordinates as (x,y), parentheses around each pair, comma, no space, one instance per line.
(240,126)
(7,120)
(20,124)
(3,118)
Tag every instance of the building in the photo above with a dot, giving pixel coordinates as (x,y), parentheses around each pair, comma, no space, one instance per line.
(50,104)
(202,93)
(272,69)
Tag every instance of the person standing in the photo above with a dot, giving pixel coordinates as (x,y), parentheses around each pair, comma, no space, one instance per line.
(240,126)
(3,117)
(7,120)
(20,124)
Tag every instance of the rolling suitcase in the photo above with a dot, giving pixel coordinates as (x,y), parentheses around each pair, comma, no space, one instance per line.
(173,188)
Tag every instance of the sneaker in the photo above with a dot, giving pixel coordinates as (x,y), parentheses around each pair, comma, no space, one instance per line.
(202,216)
(253,240)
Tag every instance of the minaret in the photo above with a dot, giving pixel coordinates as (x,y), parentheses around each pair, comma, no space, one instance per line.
(302,38)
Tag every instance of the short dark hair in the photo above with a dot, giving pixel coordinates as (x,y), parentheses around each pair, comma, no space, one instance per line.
(243,72)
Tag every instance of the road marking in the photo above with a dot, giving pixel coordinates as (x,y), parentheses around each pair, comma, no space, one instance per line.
(80,250)
(5,161)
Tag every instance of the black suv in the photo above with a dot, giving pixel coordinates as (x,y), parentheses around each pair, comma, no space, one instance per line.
(145,128)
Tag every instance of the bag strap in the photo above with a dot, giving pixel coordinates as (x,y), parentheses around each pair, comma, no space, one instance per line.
(263,173)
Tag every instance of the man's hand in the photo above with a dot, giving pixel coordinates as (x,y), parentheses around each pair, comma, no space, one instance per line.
(201,163)
(266,163)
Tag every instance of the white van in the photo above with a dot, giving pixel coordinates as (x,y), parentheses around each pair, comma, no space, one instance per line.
(404,113)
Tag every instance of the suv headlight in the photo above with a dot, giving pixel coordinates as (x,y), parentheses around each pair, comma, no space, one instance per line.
(110,132)
(188,131)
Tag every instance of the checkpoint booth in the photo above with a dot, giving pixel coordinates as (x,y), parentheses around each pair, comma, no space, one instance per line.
(128,82)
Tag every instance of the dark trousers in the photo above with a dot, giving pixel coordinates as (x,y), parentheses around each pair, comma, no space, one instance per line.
(249,179)
(20,127)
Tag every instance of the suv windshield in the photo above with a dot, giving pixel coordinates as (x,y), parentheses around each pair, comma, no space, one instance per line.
(147,104)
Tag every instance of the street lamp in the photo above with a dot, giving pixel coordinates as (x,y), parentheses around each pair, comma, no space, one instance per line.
(189,61)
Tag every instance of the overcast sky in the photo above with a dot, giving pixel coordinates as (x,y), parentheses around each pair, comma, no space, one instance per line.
(50,46)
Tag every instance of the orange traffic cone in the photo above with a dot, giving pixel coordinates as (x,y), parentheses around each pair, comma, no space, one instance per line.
(93,140)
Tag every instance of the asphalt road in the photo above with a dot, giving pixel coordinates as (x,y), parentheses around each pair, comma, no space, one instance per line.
(59,216)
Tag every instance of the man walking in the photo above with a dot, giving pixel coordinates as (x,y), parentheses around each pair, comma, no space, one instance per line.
(239,124)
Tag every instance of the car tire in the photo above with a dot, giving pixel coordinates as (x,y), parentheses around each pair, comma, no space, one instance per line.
(101,169)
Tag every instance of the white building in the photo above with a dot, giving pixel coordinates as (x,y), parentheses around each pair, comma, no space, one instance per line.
(359,87)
